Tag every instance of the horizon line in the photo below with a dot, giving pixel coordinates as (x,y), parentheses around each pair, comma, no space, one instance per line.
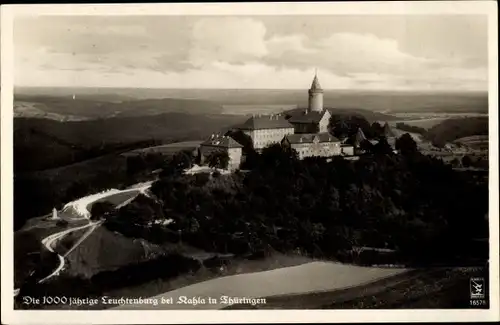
(243,89)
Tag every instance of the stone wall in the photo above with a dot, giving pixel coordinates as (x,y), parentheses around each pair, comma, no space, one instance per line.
(324,149)
(266,137)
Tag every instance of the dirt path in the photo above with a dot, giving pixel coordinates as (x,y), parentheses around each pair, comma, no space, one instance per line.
(81,209)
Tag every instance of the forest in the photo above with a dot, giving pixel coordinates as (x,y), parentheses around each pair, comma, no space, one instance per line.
(411,203)
(453,129)
(56,162)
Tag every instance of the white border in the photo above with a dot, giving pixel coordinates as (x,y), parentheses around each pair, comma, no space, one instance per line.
(9,316)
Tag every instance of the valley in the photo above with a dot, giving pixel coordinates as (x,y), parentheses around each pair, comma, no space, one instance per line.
(76,153)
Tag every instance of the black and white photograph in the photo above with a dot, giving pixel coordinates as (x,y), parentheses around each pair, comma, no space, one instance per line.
(203,160)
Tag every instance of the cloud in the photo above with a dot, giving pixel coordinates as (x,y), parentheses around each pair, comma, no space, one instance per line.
(227,39)
(345,53)
(279,45)
(89,29)
(229,52)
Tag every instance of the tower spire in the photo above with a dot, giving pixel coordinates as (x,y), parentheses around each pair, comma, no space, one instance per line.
(315,94)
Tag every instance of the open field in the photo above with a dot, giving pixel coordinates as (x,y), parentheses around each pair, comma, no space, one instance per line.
(475,141)
(423,288)
(231,267)
(166,149)
(304,278)
(425,123)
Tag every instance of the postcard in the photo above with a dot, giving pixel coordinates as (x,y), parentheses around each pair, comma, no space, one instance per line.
(249,162)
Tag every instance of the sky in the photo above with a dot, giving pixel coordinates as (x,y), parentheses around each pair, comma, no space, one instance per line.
(398,52)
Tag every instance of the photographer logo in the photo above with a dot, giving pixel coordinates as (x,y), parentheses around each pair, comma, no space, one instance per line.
(477,288)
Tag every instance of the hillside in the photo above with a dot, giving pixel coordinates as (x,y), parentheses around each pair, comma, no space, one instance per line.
(474,141)
(56,162)
(98,253)
(97,107)
(453,129)
(44,143)
(371,116)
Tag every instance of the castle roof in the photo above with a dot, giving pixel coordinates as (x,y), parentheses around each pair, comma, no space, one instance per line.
(359,137)
(223,141)
(310,138)
(315,84)
(305,117)
(262,122)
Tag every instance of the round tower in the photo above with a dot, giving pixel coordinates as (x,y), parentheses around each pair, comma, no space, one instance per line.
(315,96)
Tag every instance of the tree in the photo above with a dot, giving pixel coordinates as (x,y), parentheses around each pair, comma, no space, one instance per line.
(140,211)
(382,147)
(366,146)
(175,165)
(338,126)
(406,145)
(343,126)
(218,159)
(244,139)
(135,164)
(456,162)
(181,160)
(466,161)
(377,129)
(201,179)
(277,156)
(101,210)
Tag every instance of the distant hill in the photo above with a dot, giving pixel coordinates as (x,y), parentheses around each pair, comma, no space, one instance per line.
(44,143)
(453,129)
(98,107)
(382,101)
(369,115)
(35,110)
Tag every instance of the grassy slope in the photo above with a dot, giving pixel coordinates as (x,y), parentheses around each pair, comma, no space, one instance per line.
(105,250)
(474,141)
(166,149)
(453,129)
(426,288)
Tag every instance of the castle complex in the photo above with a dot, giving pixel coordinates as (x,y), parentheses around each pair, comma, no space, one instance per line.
(304,130)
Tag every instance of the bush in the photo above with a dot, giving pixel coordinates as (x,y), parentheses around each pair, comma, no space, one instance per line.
(202,178)
(100,210)
(466,161)
(218,159)
(406,145)
(61,223)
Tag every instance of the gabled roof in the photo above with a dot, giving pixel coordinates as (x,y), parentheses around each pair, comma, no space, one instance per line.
(305,117)
(359,137)
(387,130)
(262,122)
(309,138)
(223,141)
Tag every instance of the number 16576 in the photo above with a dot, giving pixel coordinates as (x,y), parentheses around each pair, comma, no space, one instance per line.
(478,302)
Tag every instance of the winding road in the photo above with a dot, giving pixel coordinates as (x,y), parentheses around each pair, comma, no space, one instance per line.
(80,207)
